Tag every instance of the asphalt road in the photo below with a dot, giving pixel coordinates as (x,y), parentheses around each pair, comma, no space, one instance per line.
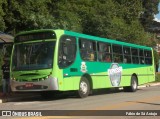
(146,101)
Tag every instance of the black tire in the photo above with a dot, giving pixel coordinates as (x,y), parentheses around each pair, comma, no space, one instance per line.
(134,85)
(84,88)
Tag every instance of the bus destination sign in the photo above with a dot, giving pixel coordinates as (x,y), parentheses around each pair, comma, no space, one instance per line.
(35,36)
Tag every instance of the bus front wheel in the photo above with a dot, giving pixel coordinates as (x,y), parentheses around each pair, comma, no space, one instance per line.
(134,85)
(84,88)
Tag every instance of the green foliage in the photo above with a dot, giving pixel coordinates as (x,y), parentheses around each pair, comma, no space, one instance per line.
(26,15)
(150,7)
(1,66)
(157,77)
(65,15)
(2,13)
(156,58)
(129,10)
(115,19)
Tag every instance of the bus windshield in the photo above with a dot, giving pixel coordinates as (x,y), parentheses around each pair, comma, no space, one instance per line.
(31,56)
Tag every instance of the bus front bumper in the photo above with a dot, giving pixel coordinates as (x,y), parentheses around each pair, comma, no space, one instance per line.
(49,84)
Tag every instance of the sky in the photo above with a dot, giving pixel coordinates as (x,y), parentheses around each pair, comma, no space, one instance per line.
(157,16)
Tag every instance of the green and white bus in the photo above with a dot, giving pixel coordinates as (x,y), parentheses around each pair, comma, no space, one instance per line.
(58,60)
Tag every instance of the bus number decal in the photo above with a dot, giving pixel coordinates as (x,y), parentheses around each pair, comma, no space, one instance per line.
(115,73)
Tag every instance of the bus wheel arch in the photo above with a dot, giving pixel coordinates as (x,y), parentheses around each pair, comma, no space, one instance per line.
(85,86)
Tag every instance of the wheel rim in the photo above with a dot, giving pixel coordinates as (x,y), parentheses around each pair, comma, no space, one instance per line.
(83,87)
(134,84)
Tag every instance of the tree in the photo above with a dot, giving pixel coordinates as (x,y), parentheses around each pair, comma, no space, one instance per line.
(65,14)
(26,15)
(2,13)
(114,19)
(150,8)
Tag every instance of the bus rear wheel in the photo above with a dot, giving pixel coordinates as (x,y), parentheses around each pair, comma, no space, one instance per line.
(134,85)
(84,88)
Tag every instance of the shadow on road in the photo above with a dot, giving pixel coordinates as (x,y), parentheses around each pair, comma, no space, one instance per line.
(66,95)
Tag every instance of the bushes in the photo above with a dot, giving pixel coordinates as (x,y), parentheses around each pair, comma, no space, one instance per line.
(1,55)
(157,77)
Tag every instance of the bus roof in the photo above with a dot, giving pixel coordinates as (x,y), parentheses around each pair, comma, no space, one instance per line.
(112,41)
(80,35)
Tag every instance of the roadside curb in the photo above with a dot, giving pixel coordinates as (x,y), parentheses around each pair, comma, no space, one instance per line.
(149,85)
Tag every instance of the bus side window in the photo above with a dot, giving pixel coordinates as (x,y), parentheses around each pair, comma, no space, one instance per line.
(148,57)
(67,51)
(127,55)
(87,49)
(135,58)
(141,56)
(104,52)
(117,53)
